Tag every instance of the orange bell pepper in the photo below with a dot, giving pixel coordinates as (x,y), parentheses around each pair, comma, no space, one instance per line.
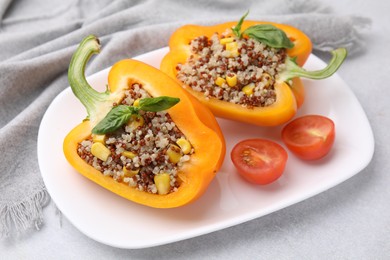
(194,120)
(289,89)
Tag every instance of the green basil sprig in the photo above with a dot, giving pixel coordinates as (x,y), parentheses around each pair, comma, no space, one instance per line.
(120,115)
(237,29)
(269,35)
(157,104)
(265,33)
(117,117)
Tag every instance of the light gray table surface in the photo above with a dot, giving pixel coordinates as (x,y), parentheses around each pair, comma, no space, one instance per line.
(349,221)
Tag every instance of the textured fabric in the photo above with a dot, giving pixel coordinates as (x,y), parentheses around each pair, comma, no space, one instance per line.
(38,37)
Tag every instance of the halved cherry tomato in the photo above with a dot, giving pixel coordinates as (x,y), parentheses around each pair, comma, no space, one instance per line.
(259,161)
(309,137)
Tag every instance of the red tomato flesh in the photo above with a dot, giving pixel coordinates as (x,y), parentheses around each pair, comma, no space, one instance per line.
(309,137)
(259,161)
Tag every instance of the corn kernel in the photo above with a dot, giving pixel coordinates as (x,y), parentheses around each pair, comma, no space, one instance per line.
(232,46)
(162,182)
(174,153)
(129,173)
(129,154)
(99,138)
(231,80)
(266,79)
(184,145)
(136,103)
(135,122)
(220,81)
(248,89)
(226,40)
(100,151)
(234,53)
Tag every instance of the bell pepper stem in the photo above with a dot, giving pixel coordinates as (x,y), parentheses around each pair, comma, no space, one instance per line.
(292,69)
(89,97)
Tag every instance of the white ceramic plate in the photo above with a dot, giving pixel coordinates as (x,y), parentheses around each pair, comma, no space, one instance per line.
(112,220)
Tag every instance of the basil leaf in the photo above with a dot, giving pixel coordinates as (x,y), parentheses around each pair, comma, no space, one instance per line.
(117,117)
(237,29)
(269,35)
(157,104)
(121,114)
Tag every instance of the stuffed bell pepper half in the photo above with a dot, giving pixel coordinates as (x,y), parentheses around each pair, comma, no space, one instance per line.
(246,71)
(145,138)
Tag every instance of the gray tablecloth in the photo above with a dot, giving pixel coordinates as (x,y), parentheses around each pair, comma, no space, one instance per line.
(349,221)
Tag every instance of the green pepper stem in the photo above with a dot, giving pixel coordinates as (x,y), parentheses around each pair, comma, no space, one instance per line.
(89,97)
(292,69)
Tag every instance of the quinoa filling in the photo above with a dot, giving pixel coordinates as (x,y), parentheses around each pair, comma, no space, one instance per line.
(146,153)
(241,71)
